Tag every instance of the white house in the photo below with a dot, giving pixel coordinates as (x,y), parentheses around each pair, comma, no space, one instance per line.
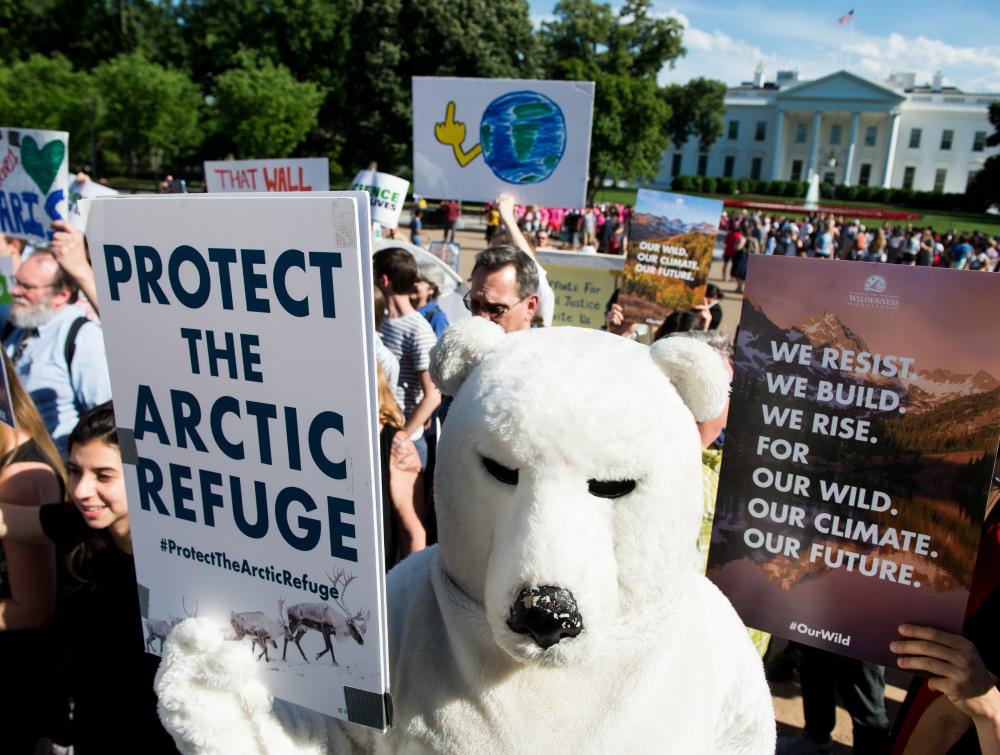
(848,129)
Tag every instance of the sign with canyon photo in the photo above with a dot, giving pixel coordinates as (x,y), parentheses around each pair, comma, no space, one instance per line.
(671,238)
(862,437)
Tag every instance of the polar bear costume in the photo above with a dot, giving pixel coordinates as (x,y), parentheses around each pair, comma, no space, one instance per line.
(560,612)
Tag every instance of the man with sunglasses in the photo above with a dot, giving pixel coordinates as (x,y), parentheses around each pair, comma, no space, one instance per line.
(57,352)
(508,286)
(504,288)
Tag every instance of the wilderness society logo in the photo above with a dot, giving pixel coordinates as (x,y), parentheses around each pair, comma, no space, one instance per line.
(874,295)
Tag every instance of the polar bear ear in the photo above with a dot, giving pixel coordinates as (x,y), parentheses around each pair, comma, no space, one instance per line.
(696,371)
(461,348)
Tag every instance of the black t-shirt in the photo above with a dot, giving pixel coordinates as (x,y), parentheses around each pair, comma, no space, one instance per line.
(111,675)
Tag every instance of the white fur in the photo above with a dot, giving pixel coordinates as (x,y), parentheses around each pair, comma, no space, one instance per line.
(663,662)
(464,345)
(696,372)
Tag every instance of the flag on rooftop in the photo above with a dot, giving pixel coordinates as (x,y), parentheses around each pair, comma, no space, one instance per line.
(846,18)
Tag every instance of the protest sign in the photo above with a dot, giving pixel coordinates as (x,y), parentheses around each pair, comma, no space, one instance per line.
(387,192)
(33,181)
(582,284)
(285,174)
(670,243)
(476,138)
(250,432)
(447,251)
(6,284)
(85,189)
(859,451)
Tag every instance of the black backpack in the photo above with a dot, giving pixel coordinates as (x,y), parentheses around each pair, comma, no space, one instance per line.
(69,348)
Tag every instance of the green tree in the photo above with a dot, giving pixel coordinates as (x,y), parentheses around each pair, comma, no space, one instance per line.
(624,53)
(309,37)
(89,33)
(45,92)
(147,114)
(697,109)
(394,40)
(263,110)
(983,190)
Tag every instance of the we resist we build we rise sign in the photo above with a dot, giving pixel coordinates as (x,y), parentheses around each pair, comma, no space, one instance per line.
(861,444)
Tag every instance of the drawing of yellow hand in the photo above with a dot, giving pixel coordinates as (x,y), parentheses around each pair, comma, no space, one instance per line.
(452,133)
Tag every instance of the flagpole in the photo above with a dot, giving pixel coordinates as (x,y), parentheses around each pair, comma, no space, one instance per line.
(850,41)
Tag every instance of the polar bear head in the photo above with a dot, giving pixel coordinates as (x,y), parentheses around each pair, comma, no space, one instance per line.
(568,482)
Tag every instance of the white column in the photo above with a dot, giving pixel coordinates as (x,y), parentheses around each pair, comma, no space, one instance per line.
(777,154)
(890,151)
(814,146)
(852,142)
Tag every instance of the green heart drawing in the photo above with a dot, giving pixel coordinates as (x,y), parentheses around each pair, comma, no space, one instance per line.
(42,164)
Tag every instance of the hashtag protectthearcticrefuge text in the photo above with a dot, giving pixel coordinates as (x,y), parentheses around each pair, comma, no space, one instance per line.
(237,565)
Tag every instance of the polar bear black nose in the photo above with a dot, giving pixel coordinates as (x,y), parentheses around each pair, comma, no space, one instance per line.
(547,613)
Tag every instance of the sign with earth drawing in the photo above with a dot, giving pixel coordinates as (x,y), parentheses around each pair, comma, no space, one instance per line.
(476,138)
(33,182)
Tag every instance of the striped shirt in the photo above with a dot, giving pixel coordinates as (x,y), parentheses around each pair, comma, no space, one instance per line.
(410,339)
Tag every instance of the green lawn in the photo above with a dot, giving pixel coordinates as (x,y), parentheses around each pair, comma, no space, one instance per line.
(939,221)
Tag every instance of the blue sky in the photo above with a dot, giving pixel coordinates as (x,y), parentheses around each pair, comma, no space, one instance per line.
(689,209)
(725,41)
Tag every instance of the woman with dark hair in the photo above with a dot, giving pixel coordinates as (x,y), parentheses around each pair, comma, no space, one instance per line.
(110,676)
(682,321)
(713,298)
(31,474)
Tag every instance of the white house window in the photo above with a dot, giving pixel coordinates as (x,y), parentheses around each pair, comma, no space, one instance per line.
(915,138)
(755,164)
(702,163)
(947,136)
(979,141)
(871,135)
(836,132)
(865,174)
(800,133)
(727,166)
(796,170)
(909,172)
(760,132)
(940,175)
(734,130)
(675,164)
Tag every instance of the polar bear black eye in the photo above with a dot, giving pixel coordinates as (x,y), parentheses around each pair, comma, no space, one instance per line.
(506,475)
(610,488)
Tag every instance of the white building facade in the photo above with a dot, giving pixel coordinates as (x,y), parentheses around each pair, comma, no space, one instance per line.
(849,130)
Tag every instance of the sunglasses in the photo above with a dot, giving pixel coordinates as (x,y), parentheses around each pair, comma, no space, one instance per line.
(487,309)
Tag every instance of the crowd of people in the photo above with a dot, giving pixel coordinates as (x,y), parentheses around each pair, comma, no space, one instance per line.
(70,629)
(831,237)
(597,228)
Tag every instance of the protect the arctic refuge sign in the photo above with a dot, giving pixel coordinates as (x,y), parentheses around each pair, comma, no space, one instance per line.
(240,344)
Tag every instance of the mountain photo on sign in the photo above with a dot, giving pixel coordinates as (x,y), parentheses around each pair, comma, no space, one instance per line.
(522,137)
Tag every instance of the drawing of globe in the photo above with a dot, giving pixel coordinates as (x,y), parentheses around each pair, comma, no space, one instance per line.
(523,136)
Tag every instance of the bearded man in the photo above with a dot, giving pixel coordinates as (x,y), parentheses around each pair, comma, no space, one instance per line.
(57,352)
